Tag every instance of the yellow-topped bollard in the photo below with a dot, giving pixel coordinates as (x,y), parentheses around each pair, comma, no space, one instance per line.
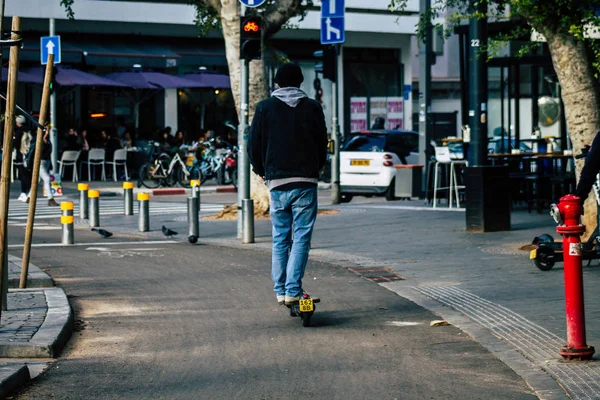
(68,236)
(128,197)
(144,207)
(67,207)
(94,196)
(84,212)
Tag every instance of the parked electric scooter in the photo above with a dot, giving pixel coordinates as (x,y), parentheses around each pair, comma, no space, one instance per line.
(548,252)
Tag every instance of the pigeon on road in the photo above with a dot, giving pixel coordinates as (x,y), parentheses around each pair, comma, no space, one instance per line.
(168,232)
(103,232)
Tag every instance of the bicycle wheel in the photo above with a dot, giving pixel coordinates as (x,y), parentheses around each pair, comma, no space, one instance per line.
(146,177)
(192,174)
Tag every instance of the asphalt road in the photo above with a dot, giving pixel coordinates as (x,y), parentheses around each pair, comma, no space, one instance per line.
(176,321)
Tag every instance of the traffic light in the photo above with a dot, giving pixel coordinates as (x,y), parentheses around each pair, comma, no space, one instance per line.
(251,38)
(328,64)
(53,80)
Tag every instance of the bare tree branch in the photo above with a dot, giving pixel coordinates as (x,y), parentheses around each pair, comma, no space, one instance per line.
(279,12)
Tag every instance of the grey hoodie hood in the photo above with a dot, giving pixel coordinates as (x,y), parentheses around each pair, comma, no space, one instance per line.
(290,95)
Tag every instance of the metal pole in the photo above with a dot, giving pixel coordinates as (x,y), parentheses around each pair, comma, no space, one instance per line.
(242,151)
(478,86)
(193,220)
(248,212)
(425,56)
(128,197)
(144,205)
(335,135)
(36,173)
(68,234)
(94,196)
(244,164)
(9,127)
(84,209)
(53,130)
(196,192)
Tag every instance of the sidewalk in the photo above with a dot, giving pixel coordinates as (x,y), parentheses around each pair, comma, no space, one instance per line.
(36,324)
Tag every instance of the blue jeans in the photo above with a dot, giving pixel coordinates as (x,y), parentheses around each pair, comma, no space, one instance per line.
(293,214)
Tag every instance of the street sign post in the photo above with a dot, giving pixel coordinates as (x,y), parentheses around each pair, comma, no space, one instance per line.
(50,45)
(332,22)
(252,3)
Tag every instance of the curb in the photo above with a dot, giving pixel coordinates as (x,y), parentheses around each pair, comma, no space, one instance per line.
(12,378)
(36,278)
(54,333)
(167,192)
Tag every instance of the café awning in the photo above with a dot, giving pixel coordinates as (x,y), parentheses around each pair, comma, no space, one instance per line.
(210,80)
(152,80)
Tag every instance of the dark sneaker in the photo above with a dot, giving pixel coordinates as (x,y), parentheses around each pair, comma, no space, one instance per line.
(27,201)
(52,203)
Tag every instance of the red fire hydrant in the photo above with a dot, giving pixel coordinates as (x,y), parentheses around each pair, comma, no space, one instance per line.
(571,230)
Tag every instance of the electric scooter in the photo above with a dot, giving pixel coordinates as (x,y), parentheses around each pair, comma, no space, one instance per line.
(548,252)
(304,309)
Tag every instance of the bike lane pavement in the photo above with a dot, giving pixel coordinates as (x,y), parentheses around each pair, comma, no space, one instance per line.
(182,321)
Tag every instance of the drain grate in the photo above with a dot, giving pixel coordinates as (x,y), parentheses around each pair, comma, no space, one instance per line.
(377,275)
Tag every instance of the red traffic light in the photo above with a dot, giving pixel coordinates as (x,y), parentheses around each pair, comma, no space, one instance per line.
(251,26)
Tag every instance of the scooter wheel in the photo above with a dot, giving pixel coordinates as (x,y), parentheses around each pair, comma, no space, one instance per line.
(306,319)
(545,259)
(192,239)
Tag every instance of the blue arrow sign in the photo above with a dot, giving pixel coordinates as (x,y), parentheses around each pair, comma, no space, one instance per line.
(332,8)
(332,22)
(50,45)
(332,30)
(252,3)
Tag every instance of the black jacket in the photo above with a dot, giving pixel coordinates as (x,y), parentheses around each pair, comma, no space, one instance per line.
(288,142)
(590,170)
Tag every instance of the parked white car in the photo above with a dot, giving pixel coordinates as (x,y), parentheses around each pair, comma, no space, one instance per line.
(367,161)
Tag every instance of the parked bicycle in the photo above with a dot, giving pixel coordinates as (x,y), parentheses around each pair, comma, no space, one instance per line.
(167,171)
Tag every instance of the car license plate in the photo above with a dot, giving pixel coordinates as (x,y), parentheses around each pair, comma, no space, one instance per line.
(306,305)
(533,254)
(360,163)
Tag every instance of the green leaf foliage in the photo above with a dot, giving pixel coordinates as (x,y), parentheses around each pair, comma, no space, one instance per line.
(573,18)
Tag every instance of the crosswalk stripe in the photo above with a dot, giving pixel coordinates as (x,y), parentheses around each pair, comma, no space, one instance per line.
(19,212)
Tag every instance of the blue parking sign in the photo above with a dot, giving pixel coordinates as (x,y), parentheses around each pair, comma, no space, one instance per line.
(50,45)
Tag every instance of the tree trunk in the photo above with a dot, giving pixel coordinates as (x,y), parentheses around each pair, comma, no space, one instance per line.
(581,98)
(230,20)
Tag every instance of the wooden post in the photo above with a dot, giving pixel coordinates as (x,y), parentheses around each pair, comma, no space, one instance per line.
(9,128)
(36,170)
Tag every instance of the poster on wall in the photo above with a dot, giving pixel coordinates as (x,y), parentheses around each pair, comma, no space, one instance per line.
(378,109)
(395,113)
(358,114)
(55,185)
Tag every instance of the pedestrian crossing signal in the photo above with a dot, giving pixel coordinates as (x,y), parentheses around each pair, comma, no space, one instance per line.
(251,38)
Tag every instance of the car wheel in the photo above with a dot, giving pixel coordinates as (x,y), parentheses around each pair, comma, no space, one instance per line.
(390,192)
(346,198)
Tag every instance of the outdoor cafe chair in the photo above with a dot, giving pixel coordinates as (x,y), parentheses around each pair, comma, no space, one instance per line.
(96,157)
(119,160)
(443,158)
(69,159)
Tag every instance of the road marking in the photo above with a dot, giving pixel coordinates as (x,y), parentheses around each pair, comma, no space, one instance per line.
(20,246)
(403,323)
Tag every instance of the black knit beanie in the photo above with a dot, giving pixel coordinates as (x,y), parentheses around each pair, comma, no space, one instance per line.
(288,75)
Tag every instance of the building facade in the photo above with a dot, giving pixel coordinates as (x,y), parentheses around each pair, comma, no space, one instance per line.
(112,35)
